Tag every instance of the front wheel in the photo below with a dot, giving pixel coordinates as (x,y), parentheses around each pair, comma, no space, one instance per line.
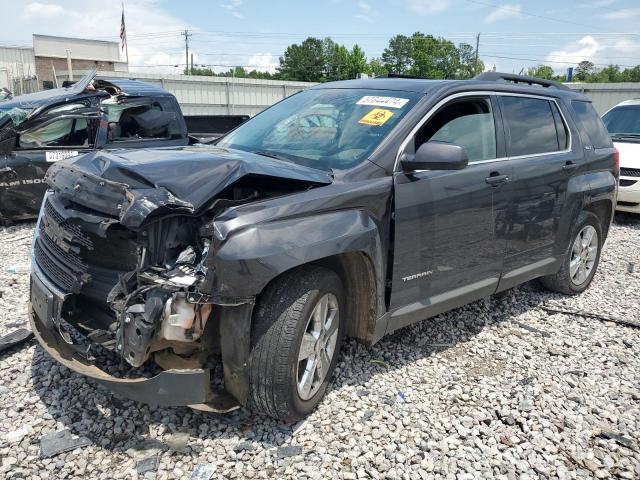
(582,258)
(296,339)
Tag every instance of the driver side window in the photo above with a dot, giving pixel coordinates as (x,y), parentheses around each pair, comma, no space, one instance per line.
(467,122)
(73,132)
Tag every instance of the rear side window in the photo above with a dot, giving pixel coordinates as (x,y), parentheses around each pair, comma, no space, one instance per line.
(530,125)
(590,121)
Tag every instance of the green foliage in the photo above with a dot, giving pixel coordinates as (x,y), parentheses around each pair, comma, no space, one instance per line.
(237,72)
(542,71)
(305,62)
(584,71)
(376,68)
(324,60)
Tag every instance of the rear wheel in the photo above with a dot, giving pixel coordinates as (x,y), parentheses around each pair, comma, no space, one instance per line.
(298,330)
(582,258)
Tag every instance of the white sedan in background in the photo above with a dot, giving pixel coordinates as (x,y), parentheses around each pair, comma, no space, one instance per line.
(623,124)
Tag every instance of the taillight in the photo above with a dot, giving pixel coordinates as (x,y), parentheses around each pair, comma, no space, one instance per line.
(616,162)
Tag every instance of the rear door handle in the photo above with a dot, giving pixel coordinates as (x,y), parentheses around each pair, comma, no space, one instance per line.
(496,179)
(569,166)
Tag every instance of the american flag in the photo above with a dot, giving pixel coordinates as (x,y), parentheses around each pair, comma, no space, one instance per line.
(123,32)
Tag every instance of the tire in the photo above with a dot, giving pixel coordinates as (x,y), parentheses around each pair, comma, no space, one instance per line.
(282,319)
(564,281)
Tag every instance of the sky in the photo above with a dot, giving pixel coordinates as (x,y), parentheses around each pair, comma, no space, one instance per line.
(254,33)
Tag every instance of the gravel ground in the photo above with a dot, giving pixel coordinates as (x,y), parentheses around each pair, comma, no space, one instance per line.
(499,388)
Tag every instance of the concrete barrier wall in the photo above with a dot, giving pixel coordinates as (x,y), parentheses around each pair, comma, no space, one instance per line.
(200,95)
(606,95)
(245,96)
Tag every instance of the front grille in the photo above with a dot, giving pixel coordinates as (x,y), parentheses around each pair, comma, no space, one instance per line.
(627,183)
(77,260)
(57,273)
(57,249)
(630,172)
(79,236)
(71,257)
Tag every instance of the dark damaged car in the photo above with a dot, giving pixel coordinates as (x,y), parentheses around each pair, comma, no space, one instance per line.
(39,129)
(349,210)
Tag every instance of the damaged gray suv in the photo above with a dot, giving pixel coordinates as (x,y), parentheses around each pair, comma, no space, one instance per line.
(229,275)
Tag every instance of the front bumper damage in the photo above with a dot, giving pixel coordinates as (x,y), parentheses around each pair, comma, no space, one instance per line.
(131,246)
(188,387)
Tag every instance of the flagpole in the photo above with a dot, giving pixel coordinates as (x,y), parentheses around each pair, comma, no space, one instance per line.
(126,42)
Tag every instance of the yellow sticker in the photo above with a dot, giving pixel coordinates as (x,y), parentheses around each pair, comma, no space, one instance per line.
(376,117)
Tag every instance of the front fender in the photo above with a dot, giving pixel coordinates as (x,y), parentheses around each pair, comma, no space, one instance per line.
(249,259)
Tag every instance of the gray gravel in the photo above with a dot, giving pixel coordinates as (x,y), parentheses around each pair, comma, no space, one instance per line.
(500,388)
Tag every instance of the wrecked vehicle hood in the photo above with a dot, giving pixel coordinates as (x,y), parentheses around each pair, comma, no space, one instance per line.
(134,185)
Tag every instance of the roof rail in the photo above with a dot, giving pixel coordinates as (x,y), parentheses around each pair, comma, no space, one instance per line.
(400,75)
(510,77)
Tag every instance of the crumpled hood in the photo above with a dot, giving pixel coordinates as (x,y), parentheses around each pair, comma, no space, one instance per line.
(135,183)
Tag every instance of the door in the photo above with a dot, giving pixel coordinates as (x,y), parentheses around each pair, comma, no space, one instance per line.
(538,144)
(61,133)
(449,242)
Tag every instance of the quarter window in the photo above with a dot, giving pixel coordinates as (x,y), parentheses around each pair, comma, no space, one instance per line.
(530,126)
(135,122)
(466,122)
(592,124)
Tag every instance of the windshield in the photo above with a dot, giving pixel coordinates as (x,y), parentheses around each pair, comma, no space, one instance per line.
(324,129)
(623,121)
(15,114)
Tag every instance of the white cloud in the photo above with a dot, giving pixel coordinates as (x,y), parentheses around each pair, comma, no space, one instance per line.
(504,12)
(265,62)
(153,33)
(364,6)
(37,9)
(425,7)
(232,7)
(590,48)
(623,14)
(367,12)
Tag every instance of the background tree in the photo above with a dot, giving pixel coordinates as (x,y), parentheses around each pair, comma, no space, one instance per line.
(542,71)
(304,62)
(468,67)
(356,63)
(397,57)
(376,68)
(584,71)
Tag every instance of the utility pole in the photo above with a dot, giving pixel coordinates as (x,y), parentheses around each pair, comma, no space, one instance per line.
(187,36)
(477,48)
(69,66)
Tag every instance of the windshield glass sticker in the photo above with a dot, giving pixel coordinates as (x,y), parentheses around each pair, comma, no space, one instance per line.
(389,102)
(376,117)
(60,155)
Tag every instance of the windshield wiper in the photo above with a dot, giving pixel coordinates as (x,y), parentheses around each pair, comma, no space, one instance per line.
(625,135)
(266,153)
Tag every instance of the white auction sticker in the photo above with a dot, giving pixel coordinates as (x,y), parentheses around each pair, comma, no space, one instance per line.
(389,102)
(60,155)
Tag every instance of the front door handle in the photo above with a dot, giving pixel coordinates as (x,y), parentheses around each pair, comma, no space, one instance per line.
(569,166)
(496,179)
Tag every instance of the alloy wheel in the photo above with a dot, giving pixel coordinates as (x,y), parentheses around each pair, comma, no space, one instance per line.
(584,252)
(318,346)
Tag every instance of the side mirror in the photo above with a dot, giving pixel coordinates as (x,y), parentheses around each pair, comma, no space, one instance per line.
(436,156)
